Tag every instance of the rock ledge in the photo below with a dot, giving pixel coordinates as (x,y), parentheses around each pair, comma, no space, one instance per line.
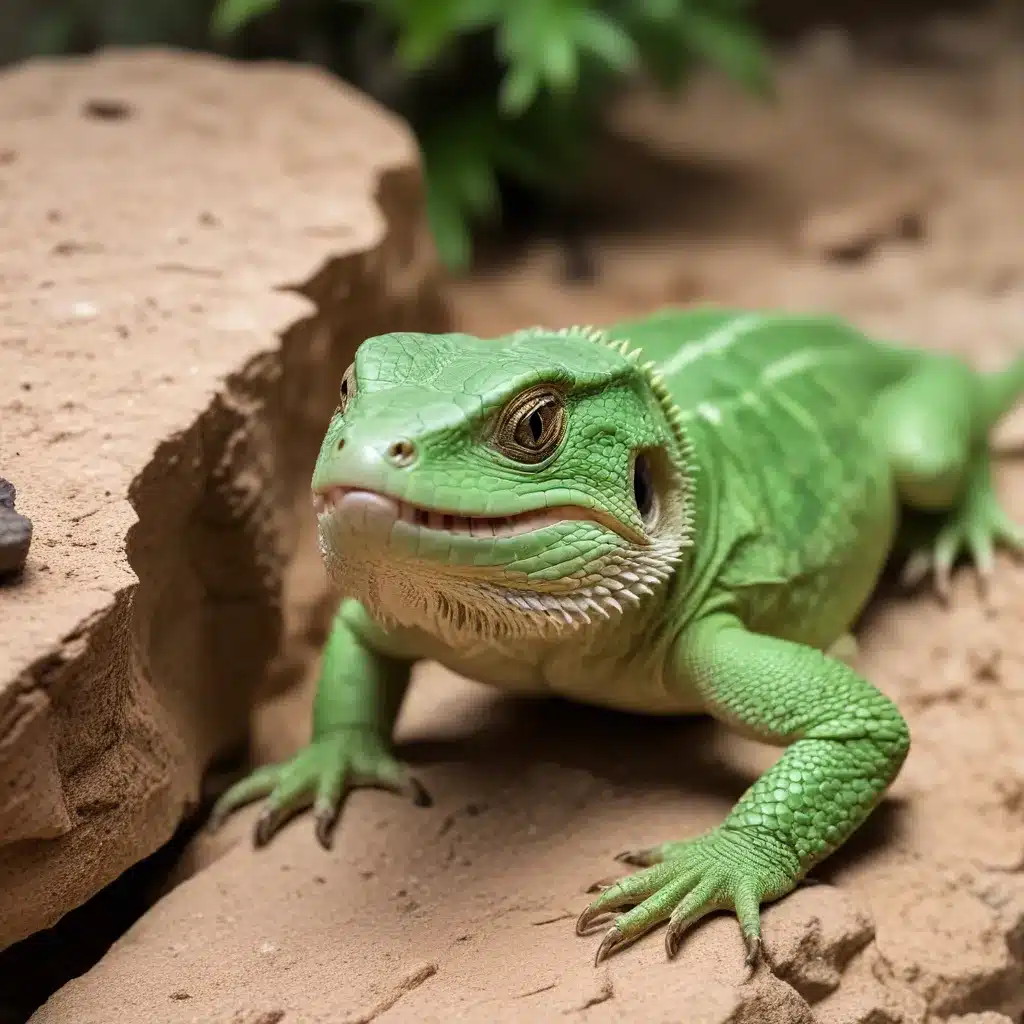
(190,253)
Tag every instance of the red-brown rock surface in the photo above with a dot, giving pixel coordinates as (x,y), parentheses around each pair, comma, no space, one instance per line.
(188,256)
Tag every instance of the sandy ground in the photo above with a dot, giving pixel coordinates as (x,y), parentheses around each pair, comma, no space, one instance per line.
(893,195)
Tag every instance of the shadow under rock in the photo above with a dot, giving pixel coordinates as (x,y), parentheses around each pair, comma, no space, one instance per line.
(35,968)
(636,187)
(631,190)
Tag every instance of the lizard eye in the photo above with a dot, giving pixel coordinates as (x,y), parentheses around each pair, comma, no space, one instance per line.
(347,391)
(532,425)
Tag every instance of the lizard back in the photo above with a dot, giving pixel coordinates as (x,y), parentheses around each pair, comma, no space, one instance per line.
(777,407)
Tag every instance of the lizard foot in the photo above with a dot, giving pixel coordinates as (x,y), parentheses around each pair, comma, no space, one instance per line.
(319,775)
(977,525)
(684,882)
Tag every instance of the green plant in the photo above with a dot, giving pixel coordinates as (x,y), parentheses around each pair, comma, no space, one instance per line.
(514,88)
(498,92)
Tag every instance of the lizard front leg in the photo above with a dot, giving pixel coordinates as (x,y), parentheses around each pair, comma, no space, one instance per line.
(846,744)
(357,701)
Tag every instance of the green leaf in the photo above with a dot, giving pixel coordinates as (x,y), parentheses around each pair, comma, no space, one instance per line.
(427,27)
(557,44)
(476,183)
(521,25)
(50,34)
(734,46)
(604,39)
(664,53)
(659,10)
(519,87)
(425,32)
(449,228)
(462,186)
(528,163)
(475,14)
(231,15)
(559,62)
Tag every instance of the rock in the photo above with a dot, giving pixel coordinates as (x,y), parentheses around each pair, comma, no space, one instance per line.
(980,1018)
(870,994)
(189,253)
(959,41)
(852,232)
(827,49)
(954,937)
(15,533)
(815,934)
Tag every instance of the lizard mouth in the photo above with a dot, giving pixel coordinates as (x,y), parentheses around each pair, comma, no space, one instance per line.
(332,500)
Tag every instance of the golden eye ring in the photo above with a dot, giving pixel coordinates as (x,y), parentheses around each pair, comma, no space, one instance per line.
(531,425)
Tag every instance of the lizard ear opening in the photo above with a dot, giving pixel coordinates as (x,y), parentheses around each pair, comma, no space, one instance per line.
(644,494)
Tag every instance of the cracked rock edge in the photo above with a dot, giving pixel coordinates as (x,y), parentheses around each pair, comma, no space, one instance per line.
(219,520)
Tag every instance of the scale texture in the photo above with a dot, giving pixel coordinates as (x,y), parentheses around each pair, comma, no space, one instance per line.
(681,514)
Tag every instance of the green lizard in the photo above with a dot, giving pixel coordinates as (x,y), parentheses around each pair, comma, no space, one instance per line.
(680,514)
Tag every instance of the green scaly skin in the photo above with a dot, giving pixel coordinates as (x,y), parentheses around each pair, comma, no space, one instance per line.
(681,514)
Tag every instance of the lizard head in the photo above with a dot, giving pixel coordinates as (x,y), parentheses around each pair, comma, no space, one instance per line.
(508,487)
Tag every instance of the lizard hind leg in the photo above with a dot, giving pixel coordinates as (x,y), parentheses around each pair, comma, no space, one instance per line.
(935,427)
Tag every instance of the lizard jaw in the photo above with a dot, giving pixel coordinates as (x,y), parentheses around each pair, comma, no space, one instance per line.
(358,528)
(337,500)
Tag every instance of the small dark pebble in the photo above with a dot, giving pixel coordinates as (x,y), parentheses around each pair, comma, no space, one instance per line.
(106,109)
(15,533)
(180,995)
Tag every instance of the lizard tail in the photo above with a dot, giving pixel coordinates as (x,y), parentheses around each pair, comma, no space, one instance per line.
(1002,390)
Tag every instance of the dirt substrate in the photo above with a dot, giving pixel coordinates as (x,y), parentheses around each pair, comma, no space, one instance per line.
(896,197)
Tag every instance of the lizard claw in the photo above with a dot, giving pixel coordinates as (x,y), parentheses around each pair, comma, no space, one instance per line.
(320,775)
(325,817)
(264,829)
(270,821)
(688,881)
(418,793)
(612,940)
(587,917)
(641,858)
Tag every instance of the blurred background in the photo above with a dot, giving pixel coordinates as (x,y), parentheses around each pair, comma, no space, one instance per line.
(506,96)
(594,159)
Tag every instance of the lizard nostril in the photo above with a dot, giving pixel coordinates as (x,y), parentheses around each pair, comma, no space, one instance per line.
(340,444)
(402,453)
